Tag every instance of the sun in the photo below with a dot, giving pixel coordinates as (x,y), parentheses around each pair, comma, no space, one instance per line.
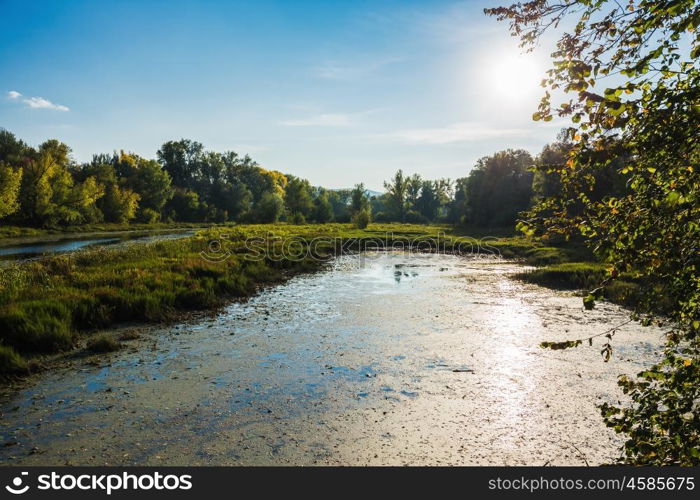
(511,76)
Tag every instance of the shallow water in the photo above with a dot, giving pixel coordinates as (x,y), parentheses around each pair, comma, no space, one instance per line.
(388,358)
(37,248)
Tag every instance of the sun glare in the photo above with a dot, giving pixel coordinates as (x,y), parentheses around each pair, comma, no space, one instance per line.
(513,76)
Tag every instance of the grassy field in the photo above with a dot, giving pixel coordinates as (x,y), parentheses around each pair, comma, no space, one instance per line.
(56,303)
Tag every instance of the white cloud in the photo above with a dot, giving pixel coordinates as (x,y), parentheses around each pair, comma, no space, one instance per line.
(333,70)
(456,132)
(41,103)
(321,120)
(37,102)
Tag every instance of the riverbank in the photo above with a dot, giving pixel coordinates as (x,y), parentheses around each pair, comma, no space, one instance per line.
(56,303)
(12,235)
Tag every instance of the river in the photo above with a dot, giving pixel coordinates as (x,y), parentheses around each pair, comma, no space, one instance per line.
(387,358)
(17,249)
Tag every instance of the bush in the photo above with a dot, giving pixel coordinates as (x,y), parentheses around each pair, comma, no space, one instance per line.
(103,343)
(414,217)
(10,361)
(297,218)
(361,219)
(148,216)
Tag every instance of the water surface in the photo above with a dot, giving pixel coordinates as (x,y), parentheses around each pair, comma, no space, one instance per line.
(51,246)
(390,358)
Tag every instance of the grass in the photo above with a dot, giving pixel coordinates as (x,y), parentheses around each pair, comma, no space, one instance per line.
(567,275)
(103,343)
(11,362)
(574,269)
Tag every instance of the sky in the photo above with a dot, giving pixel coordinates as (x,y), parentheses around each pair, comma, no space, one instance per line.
(335,92)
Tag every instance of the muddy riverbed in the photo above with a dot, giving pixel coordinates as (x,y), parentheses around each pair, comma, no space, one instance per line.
(383,359)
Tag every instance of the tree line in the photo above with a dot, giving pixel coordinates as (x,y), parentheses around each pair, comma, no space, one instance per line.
(44,187)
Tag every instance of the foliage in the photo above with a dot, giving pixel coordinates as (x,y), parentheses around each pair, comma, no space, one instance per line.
(297,197)
(396,190)
(635,79)
(362,218)
(498,189)
(662,426)
(10,179)
(269,209)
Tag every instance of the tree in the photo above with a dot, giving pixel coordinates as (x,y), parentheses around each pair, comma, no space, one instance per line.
(234,199)
(396,196)
(358,199)
(184,206)
(48,194)
(362,218)
(649,113)
(269,209)
(297,197)
(183,161)
(414,184)
(119,204)
(498,189)
(428,202)
(10,180)
(340,201)
(151,182)
(323,210)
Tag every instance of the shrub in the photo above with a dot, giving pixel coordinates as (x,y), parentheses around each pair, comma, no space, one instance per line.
(297,218)
(103,343)
(10,361)
(361,219)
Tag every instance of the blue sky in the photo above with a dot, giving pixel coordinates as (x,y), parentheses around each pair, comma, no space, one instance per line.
(336,92)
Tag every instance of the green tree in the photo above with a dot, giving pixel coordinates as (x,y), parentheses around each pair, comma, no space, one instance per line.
(184,206)
(323,210)
(183,160)
(340,201)
(269,209)
(119,204)
(358,199)
(151,182)
(498,189)
(397,189)
(649,113)
(234,199)
(48,194)
(414,184)
(297,197)
(428,202)
(10,181)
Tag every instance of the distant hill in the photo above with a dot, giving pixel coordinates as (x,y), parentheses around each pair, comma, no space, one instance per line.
(369,192)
